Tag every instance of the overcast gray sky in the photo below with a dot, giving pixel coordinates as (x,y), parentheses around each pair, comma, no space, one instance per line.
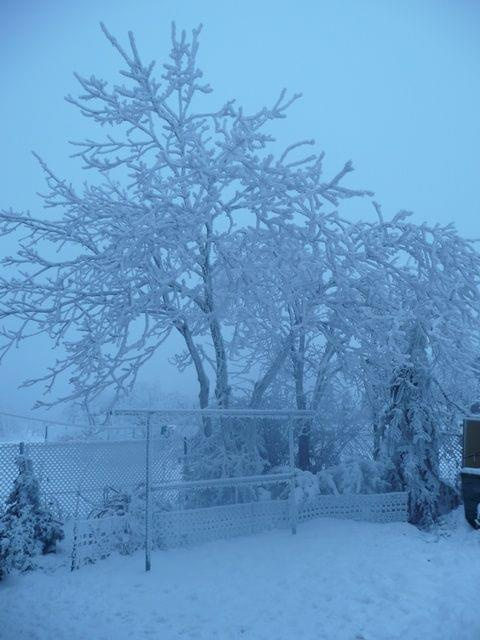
(394,86)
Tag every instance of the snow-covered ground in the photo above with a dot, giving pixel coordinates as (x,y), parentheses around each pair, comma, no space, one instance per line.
(337,580)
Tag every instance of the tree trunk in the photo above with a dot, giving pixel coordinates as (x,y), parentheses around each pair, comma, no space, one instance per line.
(222,388)
(267,379)
(203,381)
(298,362)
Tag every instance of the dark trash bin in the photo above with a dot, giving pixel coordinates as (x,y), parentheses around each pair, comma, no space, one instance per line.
(471,495)
(470,473)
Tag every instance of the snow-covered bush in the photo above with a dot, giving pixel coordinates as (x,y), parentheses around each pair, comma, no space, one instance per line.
(26,528)
(354,476)
(17,542)
(116,502)
(306,487)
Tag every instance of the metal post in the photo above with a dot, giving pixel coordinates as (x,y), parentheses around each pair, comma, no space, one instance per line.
(46,432)
(291,451)
(147,499)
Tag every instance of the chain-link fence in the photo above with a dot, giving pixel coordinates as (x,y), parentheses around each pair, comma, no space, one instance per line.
(82,477)
(450,458)
(161,479)
(189,459)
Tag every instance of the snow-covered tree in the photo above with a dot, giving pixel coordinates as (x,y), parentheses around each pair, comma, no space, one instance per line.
(410,436)
(137,251)
(419,345)
(301,317)
(26,527)
(195,224)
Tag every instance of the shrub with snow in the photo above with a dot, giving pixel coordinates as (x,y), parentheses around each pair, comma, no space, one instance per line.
(117,502)
(306,487)
(354,476)
(26,528)
(351,476)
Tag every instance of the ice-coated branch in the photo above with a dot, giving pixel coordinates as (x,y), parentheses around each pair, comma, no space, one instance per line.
(195,225)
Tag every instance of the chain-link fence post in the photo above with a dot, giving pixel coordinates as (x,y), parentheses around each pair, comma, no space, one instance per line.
(291,451)
(148,513)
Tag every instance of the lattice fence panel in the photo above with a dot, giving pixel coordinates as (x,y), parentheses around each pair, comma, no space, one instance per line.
(450,458)
(96,538)
(69,469)
(191,526)
(84,469)
(8,469)
(382,507)
(359,446)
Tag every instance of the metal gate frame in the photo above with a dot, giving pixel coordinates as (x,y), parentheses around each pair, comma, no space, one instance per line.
(219,482)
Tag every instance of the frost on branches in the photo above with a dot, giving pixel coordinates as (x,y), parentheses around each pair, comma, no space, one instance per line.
(140,252)
(195,224)
(411,434)
(26,528)
(419,371)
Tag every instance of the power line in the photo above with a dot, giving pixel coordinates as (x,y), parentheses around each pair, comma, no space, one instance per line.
(44,420)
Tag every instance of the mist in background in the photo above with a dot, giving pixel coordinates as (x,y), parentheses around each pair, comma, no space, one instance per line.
(394,86)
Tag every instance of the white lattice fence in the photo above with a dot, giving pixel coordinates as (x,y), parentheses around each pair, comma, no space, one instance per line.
(98,537)
(8,468)
(382,507)
(450,457)
(191,526)
(68,469)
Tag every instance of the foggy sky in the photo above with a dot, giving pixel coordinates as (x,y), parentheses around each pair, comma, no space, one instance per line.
(394,86)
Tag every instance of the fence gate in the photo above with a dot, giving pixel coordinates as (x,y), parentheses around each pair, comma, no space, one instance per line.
(207,471)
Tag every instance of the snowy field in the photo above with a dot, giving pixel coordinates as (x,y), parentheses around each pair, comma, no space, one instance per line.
(335,580)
